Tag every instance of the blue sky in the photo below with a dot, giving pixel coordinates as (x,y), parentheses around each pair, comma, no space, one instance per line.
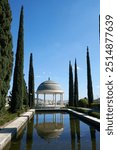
(57,31)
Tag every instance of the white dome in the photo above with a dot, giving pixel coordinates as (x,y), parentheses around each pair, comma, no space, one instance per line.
(49,86)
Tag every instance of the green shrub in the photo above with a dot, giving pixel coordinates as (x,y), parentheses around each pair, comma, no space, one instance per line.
(95,106)
(94,114)
(83,103)
(82,110)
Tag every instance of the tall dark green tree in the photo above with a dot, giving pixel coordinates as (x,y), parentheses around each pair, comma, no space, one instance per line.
(89,80)
(31,83)
(76,96)
(17,90)
(71,100)
(25,94)
(6,53)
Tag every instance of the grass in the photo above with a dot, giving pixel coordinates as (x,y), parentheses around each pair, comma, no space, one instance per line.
(7,116)
(82,110)
(94,114)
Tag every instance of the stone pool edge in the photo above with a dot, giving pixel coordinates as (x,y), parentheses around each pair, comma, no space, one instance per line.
(10,130)
(94,121)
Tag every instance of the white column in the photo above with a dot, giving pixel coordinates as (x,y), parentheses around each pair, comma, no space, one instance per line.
(44,99)
(55,100)
(62,98)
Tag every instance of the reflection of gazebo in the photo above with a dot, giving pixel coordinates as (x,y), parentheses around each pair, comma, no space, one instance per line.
(50,87)
(49,130)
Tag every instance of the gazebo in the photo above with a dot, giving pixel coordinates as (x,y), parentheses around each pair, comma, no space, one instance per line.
(50,87)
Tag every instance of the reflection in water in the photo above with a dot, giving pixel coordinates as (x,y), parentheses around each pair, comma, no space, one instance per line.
(75,135)
(72,129)
(49,130)
(78,132)
(29,135)
(93,138)
(75,131)
(16,143)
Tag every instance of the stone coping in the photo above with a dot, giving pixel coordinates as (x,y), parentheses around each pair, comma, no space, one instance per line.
(87,118)
(12,129)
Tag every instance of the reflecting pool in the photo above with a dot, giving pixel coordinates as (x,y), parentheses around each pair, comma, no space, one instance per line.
(57,131)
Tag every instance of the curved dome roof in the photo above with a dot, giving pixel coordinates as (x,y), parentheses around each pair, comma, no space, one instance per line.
(49,86)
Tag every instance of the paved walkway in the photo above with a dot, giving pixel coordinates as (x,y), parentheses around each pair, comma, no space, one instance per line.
(10,130)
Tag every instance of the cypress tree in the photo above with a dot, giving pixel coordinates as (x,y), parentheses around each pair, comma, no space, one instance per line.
(76,97)
(71,102)
(31,83)
(17,90)
(6,53)
(25,94)
(89,80)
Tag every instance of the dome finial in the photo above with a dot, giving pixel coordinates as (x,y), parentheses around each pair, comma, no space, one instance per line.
(48,78)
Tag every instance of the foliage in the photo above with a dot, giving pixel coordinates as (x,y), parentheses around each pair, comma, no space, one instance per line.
(8,116)
(6,54)
(76,97)
(89,81)
(94,114)
(31,83)
(71,102)
(25,94)
(83,102)
(95,105)
(17,90)
(82,110)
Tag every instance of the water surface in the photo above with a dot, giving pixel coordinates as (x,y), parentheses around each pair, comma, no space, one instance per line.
(57,131)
